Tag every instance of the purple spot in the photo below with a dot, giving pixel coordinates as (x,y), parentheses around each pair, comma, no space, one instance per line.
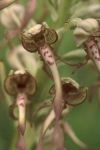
(50,56)
(96,58)
(45,53)
(21,104)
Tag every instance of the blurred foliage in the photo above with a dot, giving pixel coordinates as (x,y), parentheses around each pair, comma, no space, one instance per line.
(84,119)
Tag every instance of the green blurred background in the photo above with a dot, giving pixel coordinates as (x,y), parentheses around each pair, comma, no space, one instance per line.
(85,118)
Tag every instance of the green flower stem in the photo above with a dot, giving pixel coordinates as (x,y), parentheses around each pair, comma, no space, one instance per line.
(75,54)
(64,7)
(21,103)
(49,59)
(2,78)
(93,50)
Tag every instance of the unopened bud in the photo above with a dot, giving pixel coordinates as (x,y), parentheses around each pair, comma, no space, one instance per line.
(89,25)
(86,28)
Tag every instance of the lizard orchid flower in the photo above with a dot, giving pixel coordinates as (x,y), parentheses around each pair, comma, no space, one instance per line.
(39,38)
(21,85)
(73,95)
(85,34)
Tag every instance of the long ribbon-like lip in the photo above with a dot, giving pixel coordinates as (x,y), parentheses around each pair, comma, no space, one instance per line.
(21,141)
(46,125)
(21,103)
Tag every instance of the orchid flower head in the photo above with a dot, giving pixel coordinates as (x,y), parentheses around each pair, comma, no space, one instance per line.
(21,85)
(20,81)
(37,36)
(73,94)
(84,29)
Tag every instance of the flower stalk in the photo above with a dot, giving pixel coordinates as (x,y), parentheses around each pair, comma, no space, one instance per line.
(21,103)
(85,34)
(93,50)
(39,38)
(47,55)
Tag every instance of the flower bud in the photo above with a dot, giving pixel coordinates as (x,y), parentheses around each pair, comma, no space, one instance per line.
(89,25)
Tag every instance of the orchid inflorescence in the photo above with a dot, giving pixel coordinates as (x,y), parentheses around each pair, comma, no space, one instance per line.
(87,33)
(20,84)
